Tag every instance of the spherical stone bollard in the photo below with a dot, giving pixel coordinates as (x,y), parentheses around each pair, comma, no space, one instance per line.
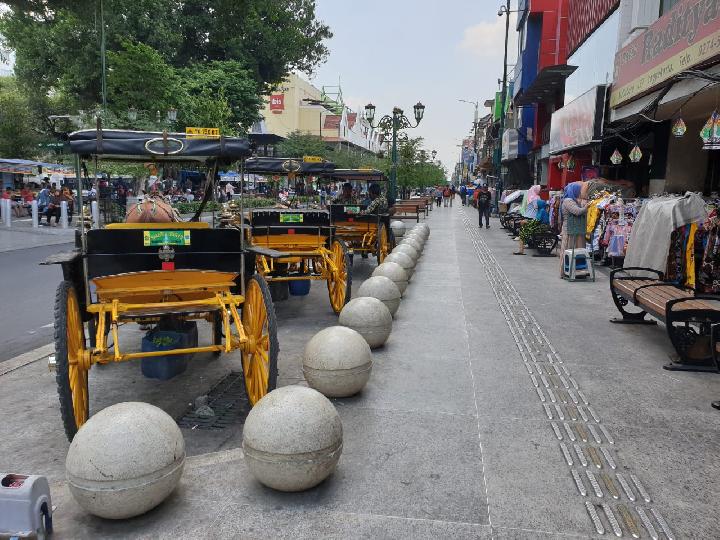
(412,242)
(398,228)
(395,272)
(337,361)
(292,439)
(417,237)
(125,460)
(403,260)
(425,227)
(369,317)
(408,250)
(382,288)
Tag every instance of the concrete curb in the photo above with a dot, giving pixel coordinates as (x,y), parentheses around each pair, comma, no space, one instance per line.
(22,360)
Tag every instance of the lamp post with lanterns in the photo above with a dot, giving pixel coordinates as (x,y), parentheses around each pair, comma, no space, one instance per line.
(391,124)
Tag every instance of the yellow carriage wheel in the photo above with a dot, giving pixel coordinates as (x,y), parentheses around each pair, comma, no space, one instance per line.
(259,359)
(71,375)
(383,243)
(339,280)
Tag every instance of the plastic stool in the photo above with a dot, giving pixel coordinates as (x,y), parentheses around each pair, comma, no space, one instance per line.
(577,264)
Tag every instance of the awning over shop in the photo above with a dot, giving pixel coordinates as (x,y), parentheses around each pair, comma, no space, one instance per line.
(579,123)
(546,84)
(32,168)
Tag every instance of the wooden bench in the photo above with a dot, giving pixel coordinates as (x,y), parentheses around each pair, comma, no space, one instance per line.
(691,319)
(421,203)
(544,243)
(406,210)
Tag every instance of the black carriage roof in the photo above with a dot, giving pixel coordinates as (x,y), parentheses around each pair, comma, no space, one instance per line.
(284,166)
(370,175)
(117,144)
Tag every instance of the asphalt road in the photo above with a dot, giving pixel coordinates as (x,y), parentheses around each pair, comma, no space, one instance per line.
(27,298)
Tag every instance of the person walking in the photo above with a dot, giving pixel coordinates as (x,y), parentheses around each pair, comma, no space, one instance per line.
(463,194)
(483,202)
(438,196)
(453,192)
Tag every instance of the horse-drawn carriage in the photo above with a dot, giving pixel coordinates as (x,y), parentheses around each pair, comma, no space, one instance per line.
(158,274)
(364,234)
(298,245)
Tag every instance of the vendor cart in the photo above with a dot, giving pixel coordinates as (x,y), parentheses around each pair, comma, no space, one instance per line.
(364,234)
(298,245)
(158,274)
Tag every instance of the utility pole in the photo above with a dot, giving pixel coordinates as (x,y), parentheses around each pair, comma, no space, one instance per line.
(506,11)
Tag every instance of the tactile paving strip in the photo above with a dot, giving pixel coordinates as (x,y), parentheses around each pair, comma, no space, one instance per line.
(616,503)
(227,399)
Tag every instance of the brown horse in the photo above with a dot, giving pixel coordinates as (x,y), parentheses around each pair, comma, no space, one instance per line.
(152,209)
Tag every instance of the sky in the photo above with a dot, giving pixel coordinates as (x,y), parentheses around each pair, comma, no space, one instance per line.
(398,52)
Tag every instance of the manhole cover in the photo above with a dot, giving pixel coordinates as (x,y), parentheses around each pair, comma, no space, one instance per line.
(227,399)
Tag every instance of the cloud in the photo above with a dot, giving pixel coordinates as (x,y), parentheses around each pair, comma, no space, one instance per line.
(486,40)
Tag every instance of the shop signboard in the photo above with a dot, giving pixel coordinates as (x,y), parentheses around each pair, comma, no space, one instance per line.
(277,103)
(685,37)
(578,123)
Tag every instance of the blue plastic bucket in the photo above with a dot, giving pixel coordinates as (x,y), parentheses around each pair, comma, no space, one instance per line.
(300,287)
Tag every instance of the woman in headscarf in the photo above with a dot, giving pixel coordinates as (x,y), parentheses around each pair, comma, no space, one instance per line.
(574,218)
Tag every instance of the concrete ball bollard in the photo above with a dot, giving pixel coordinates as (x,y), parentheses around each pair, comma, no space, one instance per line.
(398,228)
(370,318)
(412,242)
(337,362)
(125,460)
(395,272)
(423,229)
(408,250)
(382,288)
(417,237)
(292,439)
(403,260)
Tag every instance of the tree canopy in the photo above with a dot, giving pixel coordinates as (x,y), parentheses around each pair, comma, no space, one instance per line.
(212,60)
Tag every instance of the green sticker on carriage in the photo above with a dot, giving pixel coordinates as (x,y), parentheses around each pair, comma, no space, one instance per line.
(352,209)
(291,218)
(166,238)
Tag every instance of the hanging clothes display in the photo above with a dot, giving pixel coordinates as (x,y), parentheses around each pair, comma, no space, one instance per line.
(659,217)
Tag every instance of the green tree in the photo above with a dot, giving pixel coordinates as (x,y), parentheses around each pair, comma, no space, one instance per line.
(231,80)
(299,144)
(253,43)
(17,138)
(139,77)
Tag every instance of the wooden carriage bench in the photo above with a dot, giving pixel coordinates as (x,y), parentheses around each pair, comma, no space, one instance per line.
(544,243)
(691,319)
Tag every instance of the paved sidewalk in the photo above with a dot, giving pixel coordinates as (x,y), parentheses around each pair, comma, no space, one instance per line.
(499,383)
(22,235)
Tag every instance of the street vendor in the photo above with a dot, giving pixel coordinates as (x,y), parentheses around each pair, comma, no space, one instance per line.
(378,202)
(346,196)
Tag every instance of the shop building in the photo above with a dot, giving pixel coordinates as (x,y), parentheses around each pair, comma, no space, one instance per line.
(297,105)
(665,94)
(538,91)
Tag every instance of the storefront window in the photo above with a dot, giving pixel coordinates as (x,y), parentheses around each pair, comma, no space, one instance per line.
(667,5)
(595,59)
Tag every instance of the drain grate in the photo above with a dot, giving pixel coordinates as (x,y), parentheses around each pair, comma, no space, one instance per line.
(227,399)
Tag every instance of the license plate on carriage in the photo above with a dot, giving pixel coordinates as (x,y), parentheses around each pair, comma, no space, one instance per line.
(291,218)
(166,238)
(352,209)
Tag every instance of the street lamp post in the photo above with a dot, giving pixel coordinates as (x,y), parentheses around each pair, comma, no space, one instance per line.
(504,10)
(393,124)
